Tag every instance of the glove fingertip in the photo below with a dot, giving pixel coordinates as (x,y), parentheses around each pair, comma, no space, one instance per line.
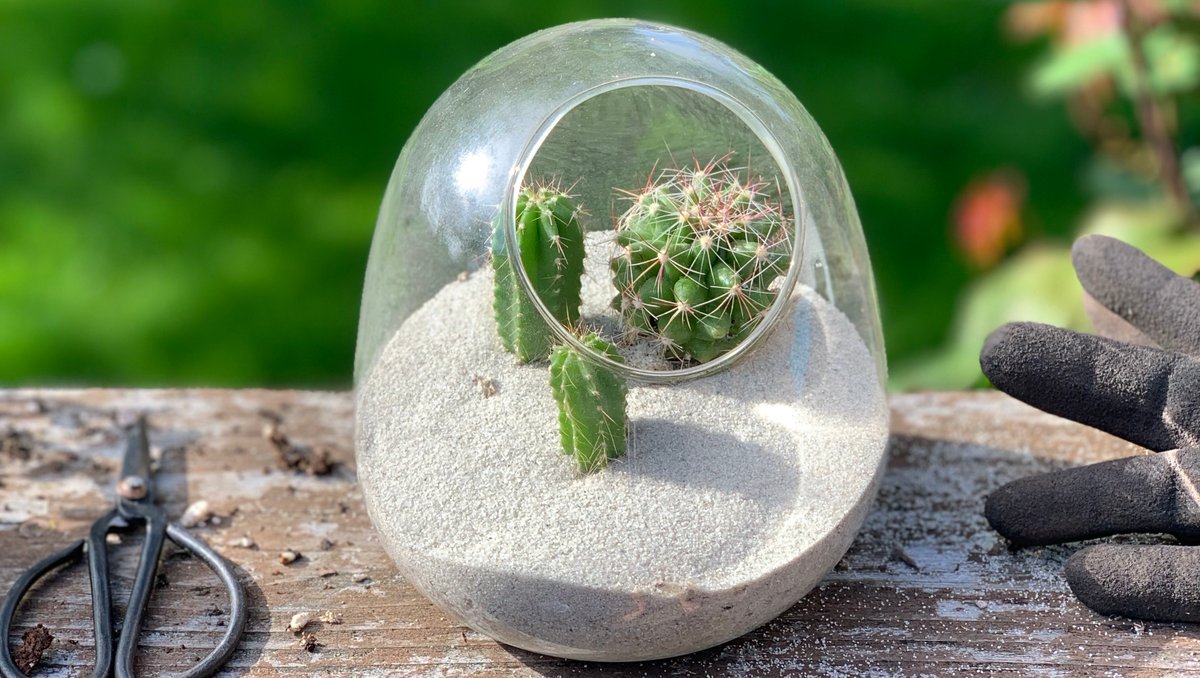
(1007,511)
(1091,577)
(1012,353)
(1095,253)
(993,357)
(996,511)
(1142,582)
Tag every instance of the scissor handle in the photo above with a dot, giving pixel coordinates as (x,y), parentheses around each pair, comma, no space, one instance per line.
(25,582)
(156,529)
(93,545)
(237,601)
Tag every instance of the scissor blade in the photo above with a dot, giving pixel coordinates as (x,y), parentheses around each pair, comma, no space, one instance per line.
(137,453)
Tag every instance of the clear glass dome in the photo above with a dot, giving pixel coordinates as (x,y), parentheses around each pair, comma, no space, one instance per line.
(686,234)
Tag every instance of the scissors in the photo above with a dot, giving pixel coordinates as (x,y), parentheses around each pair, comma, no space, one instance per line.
(135,507)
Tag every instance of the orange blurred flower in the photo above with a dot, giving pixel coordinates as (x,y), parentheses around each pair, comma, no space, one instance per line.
(987,217)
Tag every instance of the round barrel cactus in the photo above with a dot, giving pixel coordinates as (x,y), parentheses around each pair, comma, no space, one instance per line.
(704,249)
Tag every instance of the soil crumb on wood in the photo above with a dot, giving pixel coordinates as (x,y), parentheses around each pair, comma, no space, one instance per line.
(16,445)
(308,641)
(34,643)
(315,461)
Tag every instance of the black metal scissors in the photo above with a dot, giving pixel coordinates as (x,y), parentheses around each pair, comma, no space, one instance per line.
(135,506)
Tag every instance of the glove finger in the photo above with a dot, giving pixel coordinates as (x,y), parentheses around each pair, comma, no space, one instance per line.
(1144,582)
(1143,292)
(1148,493)
(1145,395)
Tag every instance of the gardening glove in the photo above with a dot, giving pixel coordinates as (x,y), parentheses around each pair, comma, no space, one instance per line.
(1143,387)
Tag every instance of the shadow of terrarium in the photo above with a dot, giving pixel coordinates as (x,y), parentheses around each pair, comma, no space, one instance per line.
(774,483)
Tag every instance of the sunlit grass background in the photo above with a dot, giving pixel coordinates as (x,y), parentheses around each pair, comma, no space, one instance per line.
(188,189)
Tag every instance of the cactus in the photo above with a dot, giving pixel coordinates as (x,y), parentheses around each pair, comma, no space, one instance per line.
(550,241)
(702,250)
(591,404)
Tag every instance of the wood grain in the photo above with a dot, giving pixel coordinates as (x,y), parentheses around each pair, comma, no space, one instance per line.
(927,588)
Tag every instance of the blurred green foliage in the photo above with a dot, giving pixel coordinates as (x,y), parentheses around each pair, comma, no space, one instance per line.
(188,189)
(1130,75)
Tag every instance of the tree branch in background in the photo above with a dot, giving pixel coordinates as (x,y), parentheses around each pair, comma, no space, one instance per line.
(1150,115)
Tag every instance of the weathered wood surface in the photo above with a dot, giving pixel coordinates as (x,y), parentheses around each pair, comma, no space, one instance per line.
(927,588)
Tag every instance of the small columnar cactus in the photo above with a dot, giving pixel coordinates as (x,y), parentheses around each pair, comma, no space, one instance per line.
(550,241)
(702,251)
(591,404)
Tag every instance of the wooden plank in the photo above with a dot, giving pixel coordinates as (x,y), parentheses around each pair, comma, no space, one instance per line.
(927,588)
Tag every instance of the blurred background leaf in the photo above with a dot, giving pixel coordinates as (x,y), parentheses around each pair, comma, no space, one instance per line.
(1126,72)
(188,190)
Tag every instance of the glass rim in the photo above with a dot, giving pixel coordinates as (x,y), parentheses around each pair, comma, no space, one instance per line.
(790,180)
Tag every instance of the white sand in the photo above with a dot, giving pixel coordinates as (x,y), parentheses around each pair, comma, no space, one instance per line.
(738,493)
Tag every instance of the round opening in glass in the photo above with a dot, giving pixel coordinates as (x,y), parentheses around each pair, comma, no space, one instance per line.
(673,204)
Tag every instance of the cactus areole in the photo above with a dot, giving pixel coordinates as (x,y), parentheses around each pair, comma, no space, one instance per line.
(741,285)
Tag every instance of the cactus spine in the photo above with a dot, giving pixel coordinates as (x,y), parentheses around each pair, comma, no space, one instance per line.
(702,249)
(591,404)
(550,242)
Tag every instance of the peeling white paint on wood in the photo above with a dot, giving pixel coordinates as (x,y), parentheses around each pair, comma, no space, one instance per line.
(927,588)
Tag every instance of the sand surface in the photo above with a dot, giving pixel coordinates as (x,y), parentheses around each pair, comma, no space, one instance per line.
(739,490)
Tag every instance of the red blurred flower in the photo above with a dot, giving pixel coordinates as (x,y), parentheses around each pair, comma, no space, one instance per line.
(987,217)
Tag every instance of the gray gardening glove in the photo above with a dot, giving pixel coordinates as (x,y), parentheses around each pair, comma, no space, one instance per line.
(1144,388)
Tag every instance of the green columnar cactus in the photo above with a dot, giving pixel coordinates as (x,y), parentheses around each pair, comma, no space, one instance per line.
(550,241)
(591,404)
(702,253)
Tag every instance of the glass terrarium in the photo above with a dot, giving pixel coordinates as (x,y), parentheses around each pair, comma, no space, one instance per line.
(619,375)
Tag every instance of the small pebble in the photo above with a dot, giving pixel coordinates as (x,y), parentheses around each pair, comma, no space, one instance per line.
(487,387)
(196,514)
(289,556)
(299,621)
(245,542)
